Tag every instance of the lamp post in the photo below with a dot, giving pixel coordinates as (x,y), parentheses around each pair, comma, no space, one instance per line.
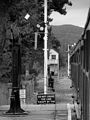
(68,59)
(69,48)
(15,108)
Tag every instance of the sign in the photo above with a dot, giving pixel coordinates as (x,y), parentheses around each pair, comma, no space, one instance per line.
(22,93)
(46,99)
(23,101)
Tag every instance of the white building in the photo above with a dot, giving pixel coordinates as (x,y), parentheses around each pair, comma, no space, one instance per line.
(53,62)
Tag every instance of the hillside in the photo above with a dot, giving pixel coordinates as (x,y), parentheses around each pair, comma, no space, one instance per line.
(67,34)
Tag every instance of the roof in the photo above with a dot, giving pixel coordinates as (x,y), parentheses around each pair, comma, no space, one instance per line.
(87,23)
(55,50)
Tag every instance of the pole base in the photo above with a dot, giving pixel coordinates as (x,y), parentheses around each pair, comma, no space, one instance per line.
(15,113)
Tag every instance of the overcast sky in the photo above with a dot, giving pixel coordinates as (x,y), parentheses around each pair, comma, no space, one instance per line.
(76,14)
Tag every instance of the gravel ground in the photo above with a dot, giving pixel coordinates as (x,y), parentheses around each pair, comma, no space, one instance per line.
(63,91)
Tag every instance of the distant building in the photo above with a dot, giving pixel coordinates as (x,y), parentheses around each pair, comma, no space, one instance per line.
(53,62)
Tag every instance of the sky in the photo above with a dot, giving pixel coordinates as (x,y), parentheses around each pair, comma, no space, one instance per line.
(76,14)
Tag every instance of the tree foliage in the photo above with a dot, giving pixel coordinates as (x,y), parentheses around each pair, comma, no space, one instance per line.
(58,5)
(12,14)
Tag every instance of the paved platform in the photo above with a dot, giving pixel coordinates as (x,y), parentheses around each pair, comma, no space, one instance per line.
(40,112)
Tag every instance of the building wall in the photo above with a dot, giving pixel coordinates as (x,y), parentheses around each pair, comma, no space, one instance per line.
(53,63)
(54,68)
(53,52)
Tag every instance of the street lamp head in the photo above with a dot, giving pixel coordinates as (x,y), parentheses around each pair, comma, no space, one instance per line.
(74,43)
(41,28)
(27,16)
(38,26)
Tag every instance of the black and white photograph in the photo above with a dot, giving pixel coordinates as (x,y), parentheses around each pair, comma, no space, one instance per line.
(44,59)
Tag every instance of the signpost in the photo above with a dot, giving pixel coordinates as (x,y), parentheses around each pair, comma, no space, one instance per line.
(46,99)
(22,96)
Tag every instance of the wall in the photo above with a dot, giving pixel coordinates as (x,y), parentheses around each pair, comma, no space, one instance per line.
(53,52)
(54,68)
(53,63)
(4,94)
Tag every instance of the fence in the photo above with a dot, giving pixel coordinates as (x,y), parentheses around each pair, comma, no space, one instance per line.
(29,91)
(4,94)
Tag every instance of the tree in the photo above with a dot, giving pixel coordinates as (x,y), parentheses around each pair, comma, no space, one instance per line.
(58,5)
(14,12)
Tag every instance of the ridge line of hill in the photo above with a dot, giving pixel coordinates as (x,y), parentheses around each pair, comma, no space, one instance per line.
(67,34)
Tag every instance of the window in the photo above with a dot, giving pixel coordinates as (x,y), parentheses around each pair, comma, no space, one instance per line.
(53,56)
